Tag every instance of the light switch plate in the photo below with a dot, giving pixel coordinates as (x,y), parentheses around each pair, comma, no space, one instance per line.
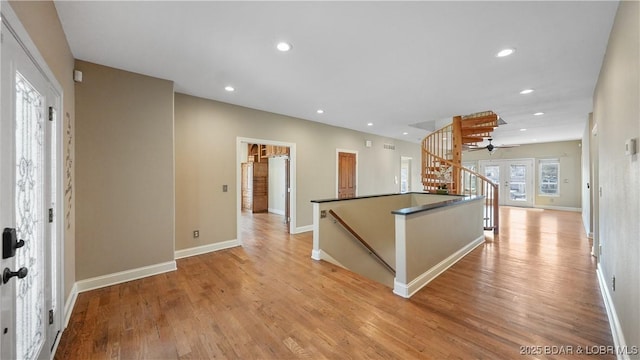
(630,147)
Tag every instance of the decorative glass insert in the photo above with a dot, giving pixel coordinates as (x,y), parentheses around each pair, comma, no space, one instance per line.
(549,174)
(29,197)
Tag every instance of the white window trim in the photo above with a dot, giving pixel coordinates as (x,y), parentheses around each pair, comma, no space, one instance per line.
(539,177)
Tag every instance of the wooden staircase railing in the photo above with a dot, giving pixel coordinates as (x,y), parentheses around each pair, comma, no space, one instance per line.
(371,250)
(442,169)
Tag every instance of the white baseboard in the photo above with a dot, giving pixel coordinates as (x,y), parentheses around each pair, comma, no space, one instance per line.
(321,255)
(124,276)
(276,211)
(70,304)
(561,208)
(407,290)
(199,250)
(302,229)
(616,328)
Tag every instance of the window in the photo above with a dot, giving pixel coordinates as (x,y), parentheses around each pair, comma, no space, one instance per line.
(548,184)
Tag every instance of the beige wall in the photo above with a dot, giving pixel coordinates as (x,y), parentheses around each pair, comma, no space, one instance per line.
(617,115)
(568,152)
(431,237)
(125,175)
(40,19)
(206,135)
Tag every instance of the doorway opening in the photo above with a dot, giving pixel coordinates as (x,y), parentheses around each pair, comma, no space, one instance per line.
(405,174)
(265,180)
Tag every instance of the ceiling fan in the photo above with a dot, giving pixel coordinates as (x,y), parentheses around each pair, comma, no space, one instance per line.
(491,147)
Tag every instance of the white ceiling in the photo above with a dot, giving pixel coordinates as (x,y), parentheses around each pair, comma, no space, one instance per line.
(394,64)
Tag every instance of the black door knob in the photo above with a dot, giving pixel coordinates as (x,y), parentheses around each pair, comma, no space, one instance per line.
(8,274)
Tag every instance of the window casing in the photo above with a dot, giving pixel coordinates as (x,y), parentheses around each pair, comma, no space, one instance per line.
(549,177)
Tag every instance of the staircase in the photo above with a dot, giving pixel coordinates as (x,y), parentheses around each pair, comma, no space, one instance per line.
(442,170)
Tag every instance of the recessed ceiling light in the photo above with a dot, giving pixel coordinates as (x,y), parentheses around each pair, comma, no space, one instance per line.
(526,91)
(523,129)
(283,46)
(320,111)
(538,113)
(405,133)
(505,52)
(229,88)
(369,124)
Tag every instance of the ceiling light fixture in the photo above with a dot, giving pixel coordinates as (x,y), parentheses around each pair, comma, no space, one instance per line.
(505,52)
(320,111)
(229,88)
(538,113)
(369,124)
(526,91)
(523,129)
(405,133)
(283,46)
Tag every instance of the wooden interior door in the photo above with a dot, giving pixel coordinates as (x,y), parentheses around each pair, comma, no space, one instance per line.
(346,175)
(260,187)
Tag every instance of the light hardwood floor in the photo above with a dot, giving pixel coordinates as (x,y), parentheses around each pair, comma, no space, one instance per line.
(533,285)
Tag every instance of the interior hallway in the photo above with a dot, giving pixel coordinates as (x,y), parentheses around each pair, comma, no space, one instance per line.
(534,284)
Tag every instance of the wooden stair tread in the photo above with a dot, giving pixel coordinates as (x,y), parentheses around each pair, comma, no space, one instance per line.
(472,139)
(477,130)
(488,120)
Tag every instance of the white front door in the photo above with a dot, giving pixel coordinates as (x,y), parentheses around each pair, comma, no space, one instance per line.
(30,260)
(514,179)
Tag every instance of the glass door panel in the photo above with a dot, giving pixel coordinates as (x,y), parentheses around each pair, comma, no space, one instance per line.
(514,179)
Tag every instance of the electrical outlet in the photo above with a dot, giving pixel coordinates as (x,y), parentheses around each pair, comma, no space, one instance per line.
(225,188)
(196,234)
(323,214)
(613,283)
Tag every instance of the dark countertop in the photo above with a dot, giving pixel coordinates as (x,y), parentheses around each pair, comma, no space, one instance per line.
(459,199)
(416,209)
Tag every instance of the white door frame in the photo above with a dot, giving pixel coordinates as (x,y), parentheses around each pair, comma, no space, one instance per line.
(338,151)
(242,142)
(12,21)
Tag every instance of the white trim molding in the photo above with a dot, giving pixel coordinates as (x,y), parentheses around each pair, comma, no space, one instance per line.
(322,255)
(70,304)
(276,211)
(199,250)
(561,208)
(124,276)
(616,328)
(302,229)
(407,290)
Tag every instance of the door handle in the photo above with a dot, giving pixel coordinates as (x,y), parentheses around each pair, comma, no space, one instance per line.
(8,274)
(10,243)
